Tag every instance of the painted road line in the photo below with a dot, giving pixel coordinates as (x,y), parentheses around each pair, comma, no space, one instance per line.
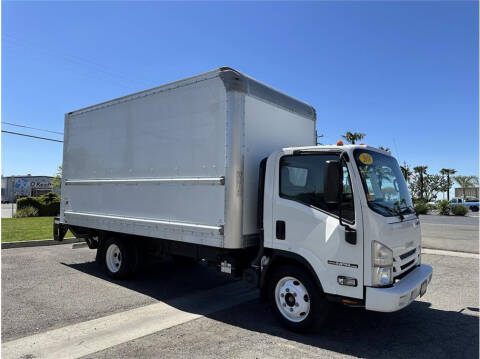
(449,253)
(88,337)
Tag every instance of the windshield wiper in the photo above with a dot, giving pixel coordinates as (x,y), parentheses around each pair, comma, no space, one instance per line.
(410,208)
(384,207)
(394,211)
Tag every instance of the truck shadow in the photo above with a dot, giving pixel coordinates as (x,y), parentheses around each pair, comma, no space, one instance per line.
(416,331)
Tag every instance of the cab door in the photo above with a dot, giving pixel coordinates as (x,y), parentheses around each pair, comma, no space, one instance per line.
(305,224)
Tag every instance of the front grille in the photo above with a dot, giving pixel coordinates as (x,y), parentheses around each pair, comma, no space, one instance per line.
(406,265)
(407,258)
(407,254)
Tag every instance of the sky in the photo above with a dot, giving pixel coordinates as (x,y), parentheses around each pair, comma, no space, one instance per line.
(403,73)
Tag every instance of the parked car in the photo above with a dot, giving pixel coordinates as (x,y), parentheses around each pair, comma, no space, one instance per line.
(471,203)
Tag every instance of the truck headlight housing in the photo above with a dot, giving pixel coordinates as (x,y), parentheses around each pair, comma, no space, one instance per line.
(382,261)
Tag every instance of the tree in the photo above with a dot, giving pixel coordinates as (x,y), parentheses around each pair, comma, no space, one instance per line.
(429,188)
(421,171)
(57,180)
(352,137)
(406,171)
(386,149)
(447,172)
(466,182)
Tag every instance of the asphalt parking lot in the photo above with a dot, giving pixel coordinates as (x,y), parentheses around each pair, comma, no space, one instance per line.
(450,232)
(56,288)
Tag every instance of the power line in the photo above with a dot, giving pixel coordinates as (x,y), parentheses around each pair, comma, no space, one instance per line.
(24,134)
(32,128)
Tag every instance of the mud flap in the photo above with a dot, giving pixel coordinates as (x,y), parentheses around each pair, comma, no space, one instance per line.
(59,230)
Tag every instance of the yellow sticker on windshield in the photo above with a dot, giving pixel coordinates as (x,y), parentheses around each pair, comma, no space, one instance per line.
(365,158)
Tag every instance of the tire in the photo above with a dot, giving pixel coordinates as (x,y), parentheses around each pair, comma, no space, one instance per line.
(474,208)
(120,258)
(297,302)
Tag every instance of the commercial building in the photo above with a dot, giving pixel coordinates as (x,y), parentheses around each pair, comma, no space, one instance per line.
(469,192)
(14,187)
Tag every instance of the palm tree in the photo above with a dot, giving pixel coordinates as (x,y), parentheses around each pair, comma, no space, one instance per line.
(447,172)
(421,170)
(352,137)
(406,171)
(466,182)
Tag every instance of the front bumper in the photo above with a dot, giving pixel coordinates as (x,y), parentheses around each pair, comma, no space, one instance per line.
(401,294)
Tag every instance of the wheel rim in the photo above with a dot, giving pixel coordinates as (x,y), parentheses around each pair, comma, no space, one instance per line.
(292,299)
(113,258)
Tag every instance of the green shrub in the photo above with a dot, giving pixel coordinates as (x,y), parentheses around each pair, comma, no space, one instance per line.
(26,212)
(460,210)
(47,205)
(421,208)
(443,207)
(432,206)
(419,201)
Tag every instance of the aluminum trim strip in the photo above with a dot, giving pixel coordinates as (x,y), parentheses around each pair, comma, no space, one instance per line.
(192,180)
(188,226)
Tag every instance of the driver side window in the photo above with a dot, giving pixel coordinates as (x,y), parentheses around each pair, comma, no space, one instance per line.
(303,178)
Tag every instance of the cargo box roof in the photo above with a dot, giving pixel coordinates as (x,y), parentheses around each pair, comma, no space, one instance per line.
(233,81)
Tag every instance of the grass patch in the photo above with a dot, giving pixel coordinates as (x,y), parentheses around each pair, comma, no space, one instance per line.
(28,229)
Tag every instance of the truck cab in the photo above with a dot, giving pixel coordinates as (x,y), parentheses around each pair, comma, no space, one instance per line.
(344,212)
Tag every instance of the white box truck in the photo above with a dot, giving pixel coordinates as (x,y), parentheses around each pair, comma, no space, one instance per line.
(223,169)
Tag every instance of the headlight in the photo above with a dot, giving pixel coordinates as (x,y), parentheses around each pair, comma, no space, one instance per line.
(382,261)
(382,255)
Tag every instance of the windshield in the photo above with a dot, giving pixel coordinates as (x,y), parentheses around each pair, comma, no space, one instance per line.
(383,182)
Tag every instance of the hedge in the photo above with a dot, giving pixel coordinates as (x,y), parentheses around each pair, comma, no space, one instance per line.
(47,205)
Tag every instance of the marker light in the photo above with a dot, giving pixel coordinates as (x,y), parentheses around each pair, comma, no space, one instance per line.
(339,143)
(348,281)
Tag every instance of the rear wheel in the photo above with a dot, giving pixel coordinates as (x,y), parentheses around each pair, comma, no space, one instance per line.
(120,258)
(474,208)
(295,299)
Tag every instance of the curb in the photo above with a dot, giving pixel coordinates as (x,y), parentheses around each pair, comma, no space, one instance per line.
(443,252)
(38,243)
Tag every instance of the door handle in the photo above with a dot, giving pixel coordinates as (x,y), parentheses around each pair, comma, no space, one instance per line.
(280,229)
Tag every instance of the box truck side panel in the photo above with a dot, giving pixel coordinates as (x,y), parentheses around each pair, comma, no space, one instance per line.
(142,164)
(268,128)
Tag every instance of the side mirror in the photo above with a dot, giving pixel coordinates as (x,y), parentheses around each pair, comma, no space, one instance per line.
(332,184)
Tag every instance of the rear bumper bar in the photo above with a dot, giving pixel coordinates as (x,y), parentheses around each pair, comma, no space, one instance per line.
(401,293)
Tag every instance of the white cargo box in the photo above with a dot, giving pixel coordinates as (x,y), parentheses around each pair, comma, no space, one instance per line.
(179,161)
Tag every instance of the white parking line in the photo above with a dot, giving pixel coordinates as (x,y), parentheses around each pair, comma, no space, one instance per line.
(85,338)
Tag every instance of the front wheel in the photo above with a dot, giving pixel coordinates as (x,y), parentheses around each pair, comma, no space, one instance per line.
(296,301)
